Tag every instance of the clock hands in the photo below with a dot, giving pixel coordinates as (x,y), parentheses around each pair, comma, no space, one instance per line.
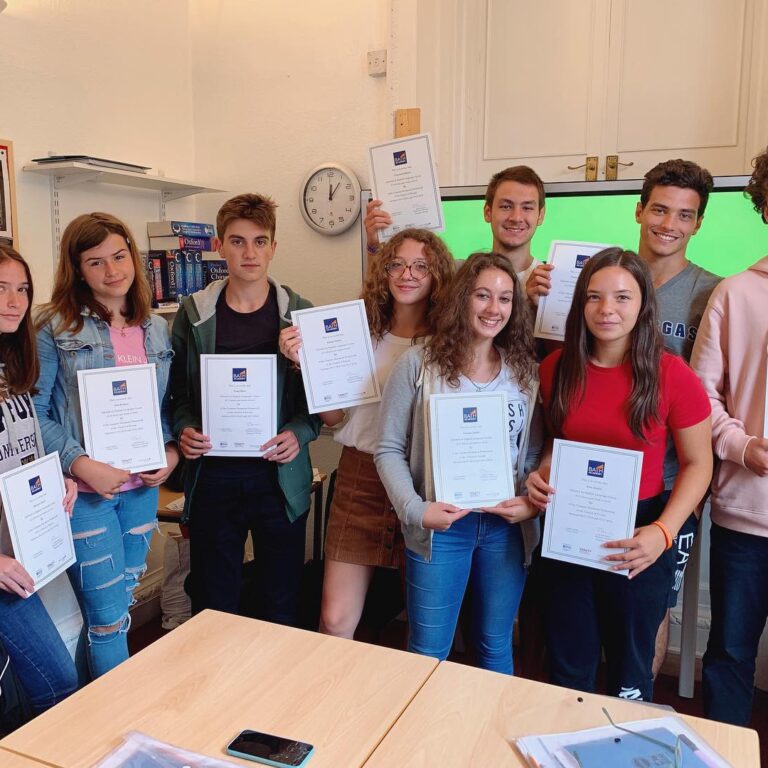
(332,190)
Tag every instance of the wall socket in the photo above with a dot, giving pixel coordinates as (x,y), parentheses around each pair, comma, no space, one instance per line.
(377,63)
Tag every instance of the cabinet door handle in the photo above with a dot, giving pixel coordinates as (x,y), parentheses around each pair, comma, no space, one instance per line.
(612,164)
(590,164)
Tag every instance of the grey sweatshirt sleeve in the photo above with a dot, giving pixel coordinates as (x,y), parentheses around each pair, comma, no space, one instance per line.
(401,432)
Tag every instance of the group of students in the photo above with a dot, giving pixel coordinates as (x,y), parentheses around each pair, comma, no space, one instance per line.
(434,329)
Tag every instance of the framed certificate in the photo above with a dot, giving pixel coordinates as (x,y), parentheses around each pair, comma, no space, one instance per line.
(596,501)
(33,502)
(568,258)
(404,178)
(239,399)
(471,458)
(121,417)
(337,364)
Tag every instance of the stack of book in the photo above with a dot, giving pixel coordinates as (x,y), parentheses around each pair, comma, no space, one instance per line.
(181,259)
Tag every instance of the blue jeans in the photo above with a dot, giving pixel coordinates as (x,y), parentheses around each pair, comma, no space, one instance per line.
(111,543)
(37,652)
(738,588)
(487,549)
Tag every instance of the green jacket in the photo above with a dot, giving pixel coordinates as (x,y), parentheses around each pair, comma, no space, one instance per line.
(194,334)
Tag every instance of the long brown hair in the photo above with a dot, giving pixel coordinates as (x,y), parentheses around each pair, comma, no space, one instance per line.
(18,350)
(645,350)
(379,305)
(450,349)
(70,291)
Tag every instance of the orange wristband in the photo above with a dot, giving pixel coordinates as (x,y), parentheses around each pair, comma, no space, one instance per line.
(667,536)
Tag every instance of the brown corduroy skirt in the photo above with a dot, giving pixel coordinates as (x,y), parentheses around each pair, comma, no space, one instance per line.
(362,527)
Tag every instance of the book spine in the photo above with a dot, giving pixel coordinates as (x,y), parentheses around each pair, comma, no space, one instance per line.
(197,257)
(179,228)
(171,275)
(189,273)
(215,270)
(158,291)
(176,242)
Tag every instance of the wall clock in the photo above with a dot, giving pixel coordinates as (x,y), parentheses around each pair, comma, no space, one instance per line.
(330,198)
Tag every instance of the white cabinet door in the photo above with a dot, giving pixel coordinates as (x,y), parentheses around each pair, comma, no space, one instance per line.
(550,82)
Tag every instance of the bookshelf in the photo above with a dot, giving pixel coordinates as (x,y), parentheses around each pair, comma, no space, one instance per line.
(69,173)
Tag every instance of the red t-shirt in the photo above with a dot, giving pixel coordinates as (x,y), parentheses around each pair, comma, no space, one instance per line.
(601,417)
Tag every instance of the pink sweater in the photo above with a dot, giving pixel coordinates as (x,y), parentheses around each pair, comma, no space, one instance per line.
(730,358)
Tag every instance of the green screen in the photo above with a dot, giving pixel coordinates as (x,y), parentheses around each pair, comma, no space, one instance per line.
(731,238)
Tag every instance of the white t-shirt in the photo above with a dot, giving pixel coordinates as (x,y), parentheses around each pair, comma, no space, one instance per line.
(362,424)
(517,403)
(525,274)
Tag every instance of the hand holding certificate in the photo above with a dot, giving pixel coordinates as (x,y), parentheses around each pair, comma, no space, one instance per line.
(239,402)
(567,259)
(33,503)
(121,417)
(596,502)
(471,459)
(337,364)
(403,177)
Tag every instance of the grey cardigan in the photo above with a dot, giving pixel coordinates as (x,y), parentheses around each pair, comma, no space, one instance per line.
(403,455)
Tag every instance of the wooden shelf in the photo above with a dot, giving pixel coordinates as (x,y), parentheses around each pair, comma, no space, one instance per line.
(69,173)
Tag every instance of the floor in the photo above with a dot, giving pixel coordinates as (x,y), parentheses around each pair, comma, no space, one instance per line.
(394,635)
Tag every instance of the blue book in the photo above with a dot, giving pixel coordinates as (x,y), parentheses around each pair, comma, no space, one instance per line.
(197,257)
(179,228)
(215,270)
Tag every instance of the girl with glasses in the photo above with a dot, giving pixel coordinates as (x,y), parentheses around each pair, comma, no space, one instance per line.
(482,343)
(405,282)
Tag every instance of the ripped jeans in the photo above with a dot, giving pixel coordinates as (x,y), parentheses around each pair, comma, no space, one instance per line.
(111,542)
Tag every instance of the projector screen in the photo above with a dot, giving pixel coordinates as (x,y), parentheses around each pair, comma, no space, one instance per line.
(731,238)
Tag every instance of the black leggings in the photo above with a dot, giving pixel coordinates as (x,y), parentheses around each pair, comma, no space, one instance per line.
(589,611)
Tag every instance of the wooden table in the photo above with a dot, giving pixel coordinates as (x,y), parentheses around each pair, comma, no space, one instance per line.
(218,674)
(12,760)
(468,717)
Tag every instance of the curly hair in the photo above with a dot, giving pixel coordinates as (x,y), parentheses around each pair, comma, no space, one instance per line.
(645,351)
(379,306)
(18,350)
(678,173)
(70,291)
(757,189)
(450,349)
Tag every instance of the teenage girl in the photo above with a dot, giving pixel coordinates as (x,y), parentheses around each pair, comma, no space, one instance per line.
(39,657)
(482,343)
(406,278)
(99,317)
(612,384)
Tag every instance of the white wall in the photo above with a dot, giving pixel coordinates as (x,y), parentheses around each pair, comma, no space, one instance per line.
(110,79)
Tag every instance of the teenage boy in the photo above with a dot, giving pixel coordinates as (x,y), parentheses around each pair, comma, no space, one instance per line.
(730,358)
(673,199)
(226,497)
(514,207)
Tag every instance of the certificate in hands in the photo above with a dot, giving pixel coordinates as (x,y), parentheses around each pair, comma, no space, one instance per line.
(471,461)
(239,402)
(597,488)
(121,417)
(33,502)
(568,258)
(337,364)
(404,178)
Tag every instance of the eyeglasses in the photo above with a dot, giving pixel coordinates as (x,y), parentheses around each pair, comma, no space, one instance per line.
(419,269)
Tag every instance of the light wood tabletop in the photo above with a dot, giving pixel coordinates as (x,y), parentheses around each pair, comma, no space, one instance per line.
(218,674)
(12,760)
(468,717)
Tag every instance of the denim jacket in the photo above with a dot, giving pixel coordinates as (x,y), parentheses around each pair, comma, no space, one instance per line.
(63,353)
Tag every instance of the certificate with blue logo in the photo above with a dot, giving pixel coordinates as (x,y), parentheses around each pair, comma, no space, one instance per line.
(471,457)
(121,417)
(33,504)
(404,178)
(239,402)
(597,488)
(568,258)
(336,354)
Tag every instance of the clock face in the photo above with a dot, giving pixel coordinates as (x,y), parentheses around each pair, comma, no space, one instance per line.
(330,199)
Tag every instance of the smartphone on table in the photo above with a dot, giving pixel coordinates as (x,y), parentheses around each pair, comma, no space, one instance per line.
(270,750)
